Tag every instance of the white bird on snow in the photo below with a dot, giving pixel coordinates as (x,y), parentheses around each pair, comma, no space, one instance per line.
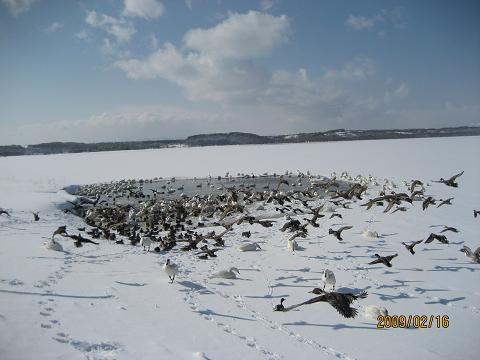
(249,247)
(170,269)
(226,274)
(328,279)
(51,244)
(145,241)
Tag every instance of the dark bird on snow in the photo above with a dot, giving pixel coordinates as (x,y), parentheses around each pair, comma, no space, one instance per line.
(338,233)
(341,302)
(476,213)
(3,211)
(440,238)
(428,201)
(410,247)
(385,260)
(450,182)
(35,216)
(474,255)
(445,202)
(280,306)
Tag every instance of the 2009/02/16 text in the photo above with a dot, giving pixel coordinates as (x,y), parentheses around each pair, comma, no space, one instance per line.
(415,321)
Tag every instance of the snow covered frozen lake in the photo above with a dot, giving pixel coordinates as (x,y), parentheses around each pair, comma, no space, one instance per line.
(114,302)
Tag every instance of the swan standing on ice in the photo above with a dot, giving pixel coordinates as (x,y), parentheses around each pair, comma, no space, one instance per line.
(170,269)
(249,247)
(52,245)
(328,279)
(145,241)
(226,274)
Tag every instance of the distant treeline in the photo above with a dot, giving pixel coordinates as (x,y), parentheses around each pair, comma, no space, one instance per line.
(237,138)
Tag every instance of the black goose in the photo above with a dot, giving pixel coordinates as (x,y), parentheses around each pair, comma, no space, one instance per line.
(280,306)
(338,233)
(385,260)
(341,302)
(410,247)
(440,238)
(427,202)
(450,182)
(445,202)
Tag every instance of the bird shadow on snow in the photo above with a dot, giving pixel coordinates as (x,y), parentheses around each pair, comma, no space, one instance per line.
(56,295)
(392,298)
(446,301)
(452,268)
(194,286)
(336,326)
(211,312)
(131,284)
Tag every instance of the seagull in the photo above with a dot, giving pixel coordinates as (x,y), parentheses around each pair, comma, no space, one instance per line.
(385,260)
(411,246)
(441,238)
(450,182)
(338,233)
(341,302)
(170,269)
(226,274)
(475,256)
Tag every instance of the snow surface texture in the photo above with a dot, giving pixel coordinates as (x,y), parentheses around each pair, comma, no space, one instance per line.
(114,302)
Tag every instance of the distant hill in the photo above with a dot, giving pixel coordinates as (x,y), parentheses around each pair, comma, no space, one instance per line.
(237,138)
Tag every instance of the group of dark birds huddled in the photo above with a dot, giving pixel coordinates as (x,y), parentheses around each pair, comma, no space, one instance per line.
(160,215)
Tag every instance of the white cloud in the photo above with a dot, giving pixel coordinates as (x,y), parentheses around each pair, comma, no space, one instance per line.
(267,4)
(121,29)
(189,4)
(83,35)
(358,69)
(147,9)
(17,7)
(393,17)
(399,93)
(55,26)
(240,36)
(153,42)
(360,22)
(217,64)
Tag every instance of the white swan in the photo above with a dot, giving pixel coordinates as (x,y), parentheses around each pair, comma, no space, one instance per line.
(292,245)
(145,241)
(372,234)
(226,274)
(372,312)
(170,269)
(52,245)
(328,279)
(249,247)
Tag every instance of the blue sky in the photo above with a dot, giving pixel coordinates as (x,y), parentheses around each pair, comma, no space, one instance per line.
(149,69)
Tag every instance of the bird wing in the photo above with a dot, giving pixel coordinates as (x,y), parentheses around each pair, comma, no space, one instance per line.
(390,257)
(477,252)
(342,305)
(389,206)
(417,242)
(344,228)
(377,261)
(455,176)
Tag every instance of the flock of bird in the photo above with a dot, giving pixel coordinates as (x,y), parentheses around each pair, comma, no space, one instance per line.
(167,218)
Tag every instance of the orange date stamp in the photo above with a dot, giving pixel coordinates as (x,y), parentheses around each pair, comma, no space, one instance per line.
(413,321)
